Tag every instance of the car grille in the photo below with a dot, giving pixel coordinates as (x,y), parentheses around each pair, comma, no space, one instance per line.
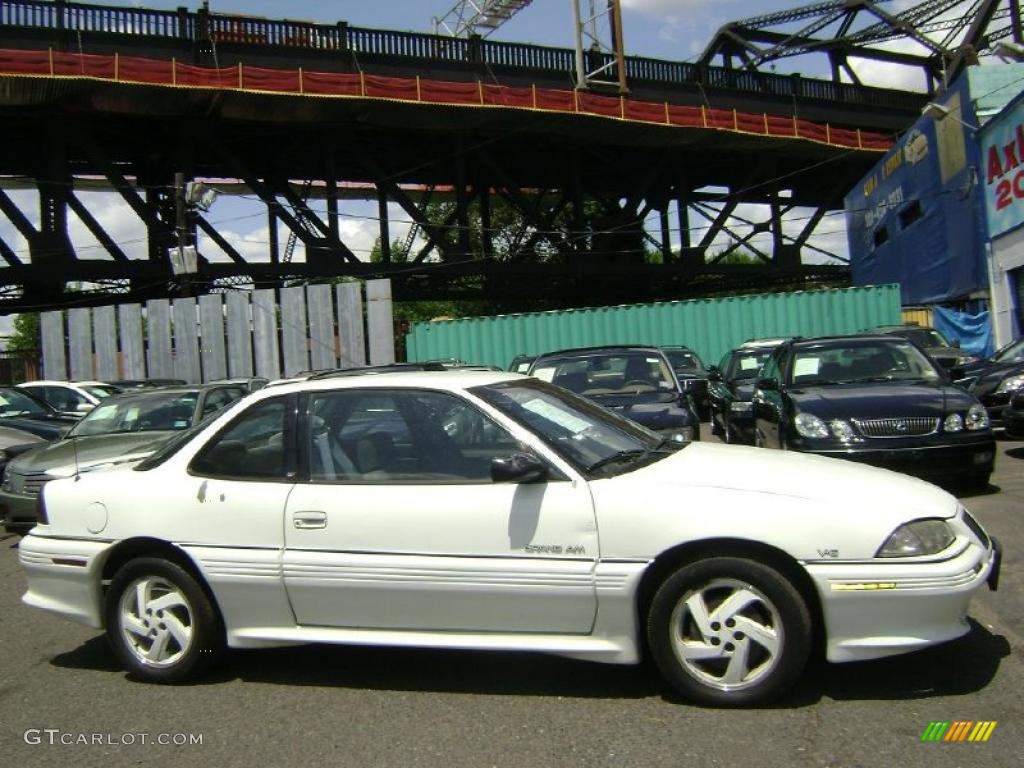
(910,426)
(28,485)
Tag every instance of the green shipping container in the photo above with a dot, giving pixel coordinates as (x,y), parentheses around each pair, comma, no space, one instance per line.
(711,327)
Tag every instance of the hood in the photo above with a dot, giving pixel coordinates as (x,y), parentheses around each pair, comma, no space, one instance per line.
(799,501)
(48,429)
(879,401)
(62,456)
(654,410)
(16,437)
(989,378)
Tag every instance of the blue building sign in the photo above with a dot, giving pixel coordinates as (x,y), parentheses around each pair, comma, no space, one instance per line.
(1002,152)
(917,218)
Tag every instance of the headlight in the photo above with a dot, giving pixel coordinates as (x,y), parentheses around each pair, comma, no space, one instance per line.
(1011,384)
(921,537)
(681,435)
(809,425)
(954,423)
(740,406)
(842,430)
(966,359)
(977,418)
(6,482)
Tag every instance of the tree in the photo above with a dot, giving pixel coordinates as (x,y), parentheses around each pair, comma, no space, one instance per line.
(26,336)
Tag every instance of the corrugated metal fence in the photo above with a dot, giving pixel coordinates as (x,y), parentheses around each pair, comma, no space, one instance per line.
(710,326)
(239,334)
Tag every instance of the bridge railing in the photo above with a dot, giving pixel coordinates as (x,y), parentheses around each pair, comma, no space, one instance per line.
(202,28)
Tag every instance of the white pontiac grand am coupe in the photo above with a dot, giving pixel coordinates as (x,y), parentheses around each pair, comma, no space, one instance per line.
(493,511)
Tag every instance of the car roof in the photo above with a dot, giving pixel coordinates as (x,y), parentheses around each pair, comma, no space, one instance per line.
(848,337)
(762,343)
(584,351)
(448,379)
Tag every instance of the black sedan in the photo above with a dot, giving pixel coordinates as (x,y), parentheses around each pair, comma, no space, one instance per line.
(731,389)
(996,380)
(637,382)
(875,399)
(935,345)
(19,409)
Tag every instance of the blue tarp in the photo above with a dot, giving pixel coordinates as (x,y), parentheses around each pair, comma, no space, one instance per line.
(974,332)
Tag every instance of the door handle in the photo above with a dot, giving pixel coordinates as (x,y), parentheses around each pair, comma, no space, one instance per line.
(309,519)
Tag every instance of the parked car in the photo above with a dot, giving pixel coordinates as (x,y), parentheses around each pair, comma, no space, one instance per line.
(250,383)
(693,377)
(949,356)
(876,399)
(14,442)
(731,389)
(74,398)
(996,380)
(125,427)
(20,409)
(540,522)
(638,382)
(1013,416)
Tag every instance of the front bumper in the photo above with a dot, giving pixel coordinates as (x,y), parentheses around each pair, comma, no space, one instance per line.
(1013,423)
(884,609)
(930,462)
(64,576)
(19,512)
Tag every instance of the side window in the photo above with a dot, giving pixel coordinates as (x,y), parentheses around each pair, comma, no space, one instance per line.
(402,436)
(215,400)
(64,399)
(251,447)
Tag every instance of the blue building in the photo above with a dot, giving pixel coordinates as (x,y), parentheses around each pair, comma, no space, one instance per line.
(918,218)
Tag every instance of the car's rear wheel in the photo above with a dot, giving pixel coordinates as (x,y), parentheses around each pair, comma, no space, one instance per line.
(160,622)
(729,631)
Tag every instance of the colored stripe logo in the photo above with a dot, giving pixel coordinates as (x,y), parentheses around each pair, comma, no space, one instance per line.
(958,730)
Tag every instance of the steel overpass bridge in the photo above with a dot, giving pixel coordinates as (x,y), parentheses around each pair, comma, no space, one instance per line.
(452,130)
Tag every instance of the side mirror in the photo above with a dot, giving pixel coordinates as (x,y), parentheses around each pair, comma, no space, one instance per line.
(768,384)
(518,468)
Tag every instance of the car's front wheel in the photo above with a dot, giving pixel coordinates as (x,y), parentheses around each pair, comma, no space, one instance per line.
(160,622)
(729,631)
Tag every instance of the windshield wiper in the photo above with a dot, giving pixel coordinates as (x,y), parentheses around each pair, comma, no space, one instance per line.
(628,455)
(663,446)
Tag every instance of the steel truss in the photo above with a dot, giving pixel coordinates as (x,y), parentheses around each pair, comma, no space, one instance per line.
(952,34)
(581,237)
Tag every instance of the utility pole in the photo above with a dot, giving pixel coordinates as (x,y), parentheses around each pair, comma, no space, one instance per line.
(185,264)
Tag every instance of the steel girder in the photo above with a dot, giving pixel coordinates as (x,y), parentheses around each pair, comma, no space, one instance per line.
(483,225)
(951,33)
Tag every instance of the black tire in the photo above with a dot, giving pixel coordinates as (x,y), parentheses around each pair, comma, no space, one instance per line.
(776,614)
(183,629)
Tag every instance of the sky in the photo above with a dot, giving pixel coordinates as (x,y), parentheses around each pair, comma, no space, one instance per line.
(665,29)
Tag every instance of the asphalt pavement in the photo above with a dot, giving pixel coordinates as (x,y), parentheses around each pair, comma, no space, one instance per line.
(63,701)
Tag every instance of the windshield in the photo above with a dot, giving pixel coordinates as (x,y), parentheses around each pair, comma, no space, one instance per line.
(860,362)
(925,337)
(611,373)
(683,360)
(15,403)
(582,433)
(101,391)
(1012,353)
(746,363)
(149,412)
